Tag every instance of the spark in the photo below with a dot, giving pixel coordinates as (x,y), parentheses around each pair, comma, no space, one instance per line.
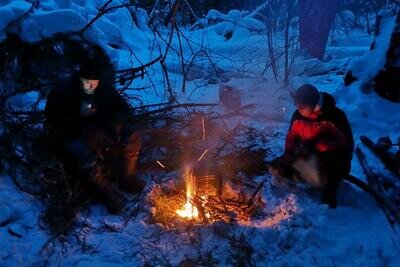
(159,163)
(202,155)
(204,128)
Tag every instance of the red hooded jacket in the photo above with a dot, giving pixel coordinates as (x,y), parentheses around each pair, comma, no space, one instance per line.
(330,131)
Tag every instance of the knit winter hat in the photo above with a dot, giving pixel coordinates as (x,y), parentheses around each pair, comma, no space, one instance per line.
(89,70)
(306,94)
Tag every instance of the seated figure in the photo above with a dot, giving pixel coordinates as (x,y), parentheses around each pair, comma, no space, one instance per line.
(319,144)
(86,123)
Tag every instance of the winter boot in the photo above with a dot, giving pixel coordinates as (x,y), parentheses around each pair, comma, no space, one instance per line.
(330,201)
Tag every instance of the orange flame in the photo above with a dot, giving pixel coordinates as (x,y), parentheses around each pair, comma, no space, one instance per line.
(189,211)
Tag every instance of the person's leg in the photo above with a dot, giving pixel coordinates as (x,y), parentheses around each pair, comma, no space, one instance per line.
(131,154)
(103,190)
(334,166)
(128,181)
(330,191)
(91,173)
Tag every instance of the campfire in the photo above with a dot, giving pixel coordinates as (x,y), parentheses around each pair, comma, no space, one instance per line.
(215,181)
(203,199)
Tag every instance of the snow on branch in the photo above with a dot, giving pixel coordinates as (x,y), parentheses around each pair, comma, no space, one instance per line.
(102,11)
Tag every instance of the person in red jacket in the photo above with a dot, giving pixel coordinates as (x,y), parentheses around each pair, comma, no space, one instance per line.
(319,134)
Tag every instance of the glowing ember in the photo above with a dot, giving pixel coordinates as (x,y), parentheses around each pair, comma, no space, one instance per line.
(189,211)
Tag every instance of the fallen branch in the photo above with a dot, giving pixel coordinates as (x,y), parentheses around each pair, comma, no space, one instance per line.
(186,105)
(391,213)
(389,159)
(236,112)
(253,197)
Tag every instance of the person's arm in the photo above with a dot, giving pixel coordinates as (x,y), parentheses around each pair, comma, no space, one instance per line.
(343,125)
(329,138)
(292,138)
(60,111)
(114,113)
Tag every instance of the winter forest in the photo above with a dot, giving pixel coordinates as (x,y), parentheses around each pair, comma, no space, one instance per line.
(199,133)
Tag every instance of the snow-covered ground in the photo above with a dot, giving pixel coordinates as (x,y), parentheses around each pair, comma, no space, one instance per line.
(296,229)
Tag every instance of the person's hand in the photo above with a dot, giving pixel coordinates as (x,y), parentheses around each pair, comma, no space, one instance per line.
(305,149)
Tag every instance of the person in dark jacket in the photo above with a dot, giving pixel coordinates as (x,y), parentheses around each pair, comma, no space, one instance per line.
(319,144)
(87,129)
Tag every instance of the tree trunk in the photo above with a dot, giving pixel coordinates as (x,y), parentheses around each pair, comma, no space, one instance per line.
(315,22)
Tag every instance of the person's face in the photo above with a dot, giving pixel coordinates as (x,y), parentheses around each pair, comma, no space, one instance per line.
(89,86)
(305,110)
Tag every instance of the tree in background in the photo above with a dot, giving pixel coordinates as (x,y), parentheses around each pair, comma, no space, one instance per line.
(315,22)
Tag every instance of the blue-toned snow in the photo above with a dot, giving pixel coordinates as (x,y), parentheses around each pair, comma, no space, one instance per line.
(300,231)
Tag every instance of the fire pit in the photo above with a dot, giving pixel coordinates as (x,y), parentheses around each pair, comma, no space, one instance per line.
(213,183)
(203,199)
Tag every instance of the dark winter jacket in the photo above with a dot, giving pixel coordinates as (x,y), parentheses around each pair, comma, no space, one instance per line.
(330,131)
(73,114)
